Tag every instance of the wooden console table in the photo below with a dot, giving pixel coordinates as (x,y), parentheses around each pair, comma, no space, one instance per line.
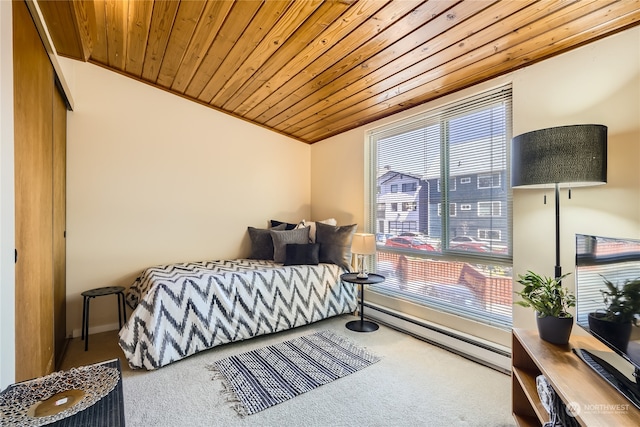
(599,403)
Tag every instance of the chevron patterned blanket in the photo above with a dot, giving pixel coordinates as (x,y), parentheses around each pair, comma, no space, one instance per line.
(182,309)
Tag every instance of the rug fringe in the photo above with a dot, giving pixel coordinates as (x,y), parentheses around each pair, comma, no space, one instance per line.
(227,391)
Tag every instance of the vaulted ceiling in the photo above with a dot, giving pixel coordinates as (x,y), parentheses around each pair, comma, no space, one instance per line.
(311,69)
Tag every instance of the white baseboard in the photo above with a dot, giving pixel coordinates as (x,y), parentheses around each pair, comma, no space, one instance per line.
(97,329)
(485,352)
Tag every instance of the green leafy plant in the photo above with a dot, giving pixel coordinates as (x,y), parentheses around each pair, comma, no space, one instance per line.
(545,295)
(622,302)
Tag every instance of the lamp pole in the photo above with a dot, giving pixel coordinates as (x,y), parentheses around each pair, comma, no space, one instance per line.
(558,268)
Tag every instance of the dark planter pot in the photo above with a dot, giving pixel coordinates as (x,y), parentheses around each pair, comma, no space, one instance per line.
(616,334)
(556,330)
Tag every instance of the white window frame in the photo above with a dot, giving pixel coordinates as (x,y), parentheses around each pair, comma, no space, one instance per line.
(483,232)
(446,252)
(491,176)
(494,208)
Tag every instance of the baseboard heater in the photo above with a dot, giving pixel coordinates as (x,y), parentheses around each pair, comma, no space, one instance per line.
(486,353)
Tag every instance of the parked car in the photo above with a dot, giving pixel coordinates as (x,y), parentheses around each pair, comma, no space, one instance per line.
(464,239)
(472,247)
(468,243)
(381,237)
(415,234)
(408,242)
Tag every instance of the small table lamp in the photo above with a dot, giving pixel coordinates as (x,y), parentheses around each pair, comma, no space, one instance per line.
(363,244)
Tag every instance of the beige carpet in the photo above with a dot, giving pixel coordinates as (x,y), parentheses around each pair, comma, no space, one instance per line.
(415,384)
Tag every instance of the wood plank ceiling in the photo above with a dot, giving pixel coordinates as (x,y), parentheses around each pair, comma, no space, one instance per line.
(311,69)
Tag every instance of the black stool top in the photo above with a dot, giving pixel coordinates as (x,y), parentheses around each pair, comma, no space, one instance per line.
(98,292)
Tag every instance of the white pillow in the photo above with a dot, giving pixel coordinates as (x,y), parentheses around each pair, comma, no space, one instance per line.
(312,227)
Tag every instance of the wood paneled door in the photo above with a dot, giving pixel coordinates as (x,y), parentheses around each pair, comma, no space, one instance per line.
(40,132)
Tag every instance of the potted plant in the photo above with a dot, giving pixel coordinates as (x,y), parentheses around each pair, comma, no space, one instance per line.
(622,305)
(551,302)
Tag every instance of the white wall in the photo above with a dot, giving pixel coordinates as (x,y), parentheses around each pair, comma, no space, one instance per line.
(598,83)
(7,206)
(153,178)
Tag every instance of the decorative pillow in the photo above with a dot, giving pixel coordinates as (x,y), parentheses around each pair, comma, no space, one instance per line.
(335,243)
(288,225)
(261,242)
(282,238)
(302,254)
(312,226)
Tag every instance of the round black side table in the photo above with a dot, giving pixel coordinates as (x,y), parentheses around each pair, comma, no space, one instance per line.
(362,325)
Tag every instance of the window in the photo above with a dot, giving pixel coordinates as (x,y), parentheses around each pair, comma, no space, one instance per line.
(489,234)
(394,207)
(409,206)
(394,188)
(398,227)
(452,209)
(490,208)
(409,187)
(489,181)
(465,141)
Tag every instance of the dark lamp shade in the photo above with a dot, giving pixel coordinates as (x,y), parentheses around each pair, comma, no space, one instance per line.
(566,155)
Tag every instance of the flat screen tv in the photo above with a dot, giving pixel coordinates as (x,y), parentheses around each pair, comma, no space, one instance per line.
(617,260)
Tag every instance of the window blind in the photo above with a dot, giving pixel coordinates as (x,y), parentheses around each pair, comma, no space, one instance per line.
(458,259)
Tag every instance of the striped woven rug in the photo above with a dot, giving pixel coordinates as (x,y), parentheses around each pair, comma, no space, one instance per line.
(259,379)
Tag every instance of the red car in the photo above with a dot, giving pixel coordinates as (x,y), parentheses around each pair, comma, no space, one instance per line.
(409,243)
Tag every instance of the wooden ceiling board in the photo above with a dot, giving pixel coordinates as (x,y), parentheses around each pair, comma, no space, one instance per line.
(232,29)
(304,35)
(311,69)
(86,22)
(162,18)
(443,48)
(325,84)
(441,82)
(349,21)
(258,29)
(99,52)
(277,35)
(382,19)
(211,20)
(116,14)
(385,60)
(184,25)
(138,23)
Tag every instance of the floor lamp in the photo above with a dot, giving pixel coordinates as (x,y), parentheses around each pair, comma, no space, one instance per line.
(565,156)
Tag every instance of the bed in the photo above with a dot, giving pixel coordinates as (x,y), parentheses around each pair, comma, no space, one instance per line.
(181,309)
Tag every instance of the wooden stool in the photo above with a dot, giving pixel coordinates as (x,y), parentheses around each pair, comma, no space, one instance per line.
(98,292)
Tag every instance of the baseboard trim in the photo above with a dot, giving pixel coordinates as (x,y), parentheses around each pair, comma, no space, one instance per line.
(75,333)
(476,349)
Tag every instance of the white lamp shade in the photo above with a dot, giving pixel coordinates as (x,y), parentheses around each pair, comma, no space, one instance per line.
(363,244)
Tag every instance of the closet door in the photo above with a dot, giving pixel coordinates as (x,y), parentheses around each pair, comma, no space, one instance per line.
(59,225)
(33,107)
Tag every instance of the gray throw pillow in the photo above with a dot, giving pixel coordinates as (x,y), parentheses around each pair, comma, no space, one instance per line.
(335,243)
(261,242)
(288,225)
(302,254)
(282,238)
